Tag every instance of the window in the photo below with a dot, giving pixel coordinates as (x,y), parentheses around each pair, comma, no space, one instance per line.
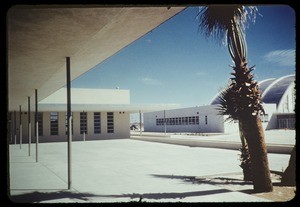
(286,121)
(176,121)
(160,122)
(167,121)
(83,122)
(205,119)
(97,122)
(40,120)
(110,122)
(192,120)
(179,120)
(53,123)
(172,121)
(185,121)
(66,124)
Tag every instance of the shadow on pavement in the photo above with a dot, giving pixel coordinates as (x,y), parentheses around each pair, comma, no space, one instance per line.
(206,180)
(36,197)
(45,196)
(174,195)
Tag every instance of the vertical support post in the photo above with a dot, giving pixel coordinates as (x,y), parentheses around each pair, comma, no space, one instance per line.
(29,127)
(11,127)
(20,127)
(36,127)
(15,126)
(69,120)
(140,123)
(84,136)
(165,122)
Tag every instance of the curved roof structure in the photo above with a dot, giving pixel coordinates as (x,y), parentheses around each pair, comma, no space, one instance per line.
(263,85)
(272,89)
(275,91)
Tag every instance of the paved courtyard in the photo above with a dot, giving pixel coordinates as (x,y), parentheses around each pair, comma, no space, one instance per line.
(125,170)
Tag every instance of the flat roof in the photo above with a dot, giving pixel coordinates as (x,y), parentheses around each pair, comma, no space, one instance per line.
(131,108)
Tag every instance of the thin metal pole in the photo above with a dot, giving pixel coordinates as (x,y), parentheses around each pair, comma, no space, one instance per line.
(36,127)
(29,127)
(20,126)
(140,123)
(11,129)
(165,122)
(15,126)
(69,120)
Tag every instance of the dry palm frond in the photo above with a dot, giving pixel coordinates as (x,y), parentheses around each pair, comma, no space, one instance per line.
(228,103)
(215,20)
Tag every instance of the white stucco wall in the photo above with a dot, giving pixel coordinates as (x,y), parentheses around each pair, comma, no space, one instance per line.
(214,121)
(121,127)
(89,96)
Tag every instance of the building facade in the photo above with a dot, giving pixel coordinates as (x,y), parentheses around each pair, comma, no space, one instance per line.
(194,119)
(90,125)
(202,119)
(278,96)
(96,114)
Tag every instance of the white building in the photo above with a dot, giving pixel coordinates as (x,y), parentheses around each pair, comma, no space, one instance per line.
(96,114)
(278,97)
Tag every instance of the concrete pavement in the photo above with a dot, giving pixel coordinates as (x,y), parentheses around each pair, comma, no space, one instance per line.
(125,170)
(278,141)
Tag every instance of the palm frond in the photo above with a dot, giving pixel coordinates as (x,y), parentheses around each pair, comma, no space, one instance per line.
(215,20)
(228,103)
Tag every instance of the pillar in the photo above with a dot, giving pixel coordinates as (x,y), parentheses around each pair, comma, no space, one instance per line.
(69,120)
(20,127)
(29,127)
(140,123)
(36,127)
(165,122)
(15,126)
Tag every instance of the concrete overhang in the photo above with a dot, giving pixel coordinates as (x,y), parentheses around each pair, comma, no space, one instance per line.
(130,108)
(39,38)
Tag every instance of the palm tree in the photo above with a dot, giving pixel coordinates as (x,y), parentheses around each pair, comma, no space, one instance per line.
(226,107)
(243,95)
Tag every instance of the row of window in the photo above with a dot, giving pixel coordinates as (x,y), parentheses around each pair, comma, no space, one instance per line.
(83,123)
(191,120)
(263,118)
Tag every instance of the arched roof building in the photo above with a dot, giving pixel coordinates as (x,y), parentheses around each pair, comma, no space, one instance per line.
(278,96)
(278,91)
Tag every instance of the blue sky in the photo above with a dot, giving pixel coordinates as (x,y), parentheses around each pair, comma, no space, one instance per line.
(176,64)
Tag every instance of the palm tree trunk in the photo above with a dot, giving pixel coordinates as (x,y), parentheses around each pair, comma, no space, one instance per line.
(254,135)
(289,175)
(242,137)
(245,156)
